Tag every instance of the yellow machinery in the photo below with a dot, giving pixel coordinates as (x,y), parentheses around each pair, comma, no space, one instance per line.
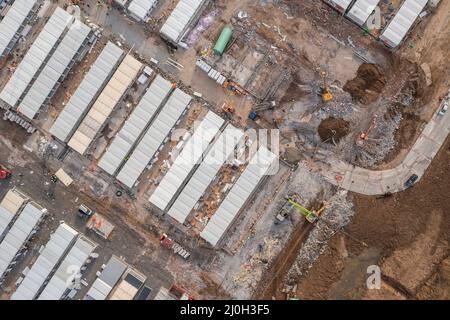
(326,93)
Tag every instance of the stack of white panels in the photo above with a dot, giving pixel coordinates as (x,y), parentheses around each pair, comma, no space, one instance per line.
(142,8)
(259,165)
(89,88)
(186,160)
(135,125)
(9,207)
(12,23)
(36,56)
(54,251)
(18,235)
(180,18)
(361,10)
(55,69)
(68,269)
(399,26)
(154,137)
(105,104)
(220,152)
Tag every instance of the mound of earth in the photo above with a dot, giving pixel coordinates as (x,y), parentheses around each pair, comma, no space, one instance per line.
(368,84)
(333,127)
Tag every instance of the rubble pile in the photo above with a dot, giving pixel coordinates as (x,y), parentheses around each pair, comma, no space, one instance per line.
(380,143)
(336,216)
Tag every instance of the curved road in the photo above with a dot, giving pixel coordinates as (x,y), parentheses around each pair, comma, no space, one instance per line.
(372,182)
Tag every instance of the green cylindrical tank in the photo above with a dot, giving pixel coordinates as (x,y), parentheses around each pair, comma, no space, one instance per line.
(223,40)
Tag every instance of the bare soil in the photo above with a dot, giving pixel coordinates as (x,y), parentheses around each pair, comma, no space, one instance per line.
(333,128)
(368,83)
(408,230)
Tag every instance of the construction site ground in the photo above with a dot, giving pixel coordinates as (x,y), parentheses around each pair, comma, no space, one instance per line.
(406,235)
(259,252)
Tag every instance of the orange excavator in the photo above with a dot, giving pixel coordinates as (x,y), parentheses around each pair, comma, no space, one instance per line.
(4,173)
(364,136)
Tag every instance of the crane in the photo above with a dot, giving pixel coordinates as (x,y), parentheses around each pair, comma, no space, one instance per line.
(326,93)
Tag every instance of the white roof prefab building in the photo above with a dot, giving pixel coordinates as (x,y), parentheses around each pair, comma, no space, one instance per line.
(399,26)
(100,72)
(35,57)
(188,158)
(219,153)
(55,69)
(135,125)
(154,137)
(361,10)
(259,165)
(12,23)
(180,19)
(75,259)
(55,249)
(106,102)
(18,235)
(141,9)
(11,204)
(340,5)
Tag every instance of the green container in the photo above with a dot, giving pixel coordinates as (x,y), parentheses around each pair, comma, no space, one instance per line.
(223,40)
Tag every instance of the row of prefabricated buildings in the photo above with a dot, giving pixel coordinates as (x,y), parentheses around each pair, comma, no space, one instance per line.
(176,25)
(138,143)
(56,272)
(396,30)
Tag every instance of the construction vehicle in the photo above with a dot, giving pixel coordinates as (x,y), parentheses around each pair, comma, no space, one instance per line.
(5,173)
(364,136)
(310,216)
(325,90)
(84,212)
(228,108)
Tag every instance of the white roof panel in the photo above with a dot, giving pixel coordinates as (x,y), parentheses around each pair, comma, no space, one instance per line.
(220,152)
(142,8)
(35,57)
(230,207)
(74,260)
(60,241)
(154,137)
(399,26)
(106,102)
(18,235)
(52,72)
(186,160)
(9,207)
(12,23)
(135,125)
(340,5)
(180,18)
(361,10)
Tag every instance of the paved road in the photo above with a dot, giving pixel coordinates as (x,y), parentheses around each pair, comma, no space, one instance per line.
(372,182)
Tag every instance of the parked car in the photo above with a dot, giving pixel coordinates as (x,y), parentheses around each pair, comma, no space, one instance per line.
(444,109)
(84,212)
(409,183)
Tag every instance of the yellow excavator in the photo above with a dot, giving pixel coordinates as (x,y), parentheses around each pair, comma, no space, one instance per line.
(326,93)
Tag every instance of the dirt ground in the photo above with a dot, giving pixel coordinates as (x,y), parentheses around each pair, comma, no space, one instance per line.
(333,128)
(406,235)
